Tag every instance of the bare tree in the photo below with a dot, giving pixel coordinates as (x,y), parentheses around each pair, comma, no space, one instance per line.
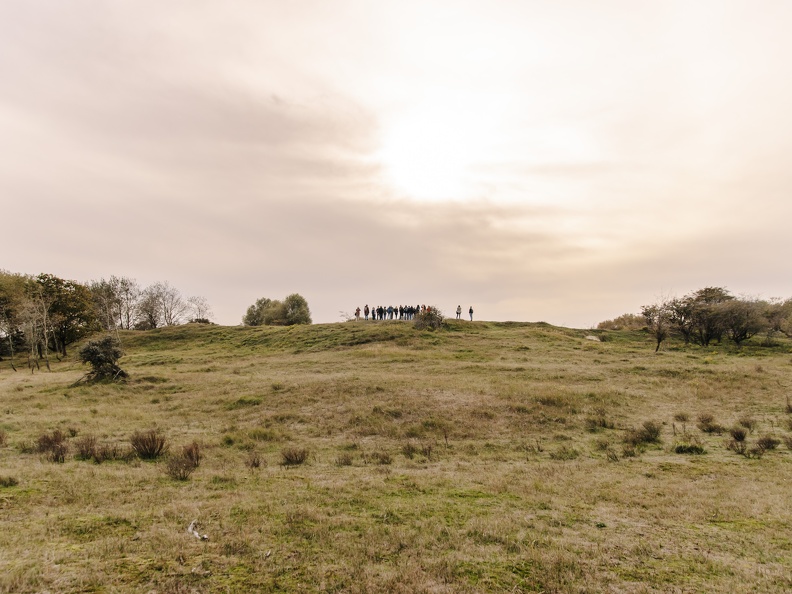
(160,305)
(199,308)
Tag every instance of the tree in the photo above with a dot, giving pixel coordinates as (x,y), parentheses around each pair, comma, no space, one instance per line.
(697,316)
(255,313)
(200,310)
(743,319)
(268,312)
(68,312)
(297,311)
(658,320)
(160,305)
(103,355)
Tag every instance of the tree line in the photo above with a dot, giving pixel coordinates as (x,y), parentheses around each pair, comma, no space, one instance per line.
(44,314)
(709,315)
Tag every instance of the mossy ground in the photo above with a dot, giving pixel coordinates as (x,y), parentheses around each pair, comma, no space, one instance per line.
(483,457)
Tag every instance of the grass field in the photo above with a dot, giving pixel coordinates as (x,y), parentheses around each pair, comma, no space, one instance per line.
(483,457)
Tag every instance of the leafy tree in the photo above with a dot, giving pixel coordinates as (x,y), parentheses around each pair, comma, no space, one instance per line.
(68,309)
(297,311)
(697,316)
(272,312)
(103,355)
(743,319)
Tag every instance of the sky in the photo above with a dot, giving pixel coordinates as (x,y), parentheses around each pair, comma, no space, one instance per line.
(564,161)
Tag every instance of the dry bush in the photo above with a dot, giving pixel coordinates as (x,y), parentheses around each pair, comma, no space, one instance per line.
(58,452)
(409,450)
(768,442)
(3,438)
(49,441)
(86,447)
(648,433)
(738,433)
(149,445)
(747,422)
(179,467)
(706,424)
(192,452)
(429,319)
(253,460)
(738,447)
(788,408)
(426,450)
(293,456)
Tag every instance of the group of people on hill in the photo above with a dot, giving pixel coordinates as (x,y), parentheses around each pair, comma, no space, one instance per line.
(400,312)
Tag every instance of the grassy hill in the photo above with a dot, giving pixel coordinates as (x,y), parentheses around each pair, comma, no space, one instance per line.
(484,457)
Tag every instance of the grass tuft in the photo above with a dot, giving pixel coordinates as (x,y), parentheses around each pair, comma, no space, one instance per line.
(149,445)
(293,456)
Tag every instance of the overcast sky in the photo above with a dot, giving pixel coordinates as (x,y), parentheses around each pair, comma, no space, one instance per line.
(564,161)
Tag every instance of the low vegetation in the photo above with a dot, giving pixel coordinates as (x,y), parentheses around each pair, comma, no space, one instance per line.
(478,457)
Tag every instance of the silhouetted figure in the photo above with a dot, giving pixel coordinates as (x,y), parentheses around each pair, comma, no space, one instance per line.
(470,311)
(459,311)
(366,312)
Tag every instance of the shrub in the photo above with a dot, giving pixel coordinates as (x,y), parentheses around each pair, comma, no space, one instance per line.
(788,406)
(747,422)
(738,447)
(86,447)
(707,424)
(103,355)
(431,319)
(293,456)
(738,433)
(180,467)
(8,481)
(58,452)
(192,452)
(253,460)
(149,445)
(49,441)
(767,442)
(3,438)
(409,450)
(648,433)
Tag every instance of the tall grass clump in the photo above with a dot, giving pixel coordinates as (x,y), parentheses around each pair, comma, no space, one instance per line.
(648,433)
(293,456)
(180,466)
(149,445)
(706,424)
(53,446)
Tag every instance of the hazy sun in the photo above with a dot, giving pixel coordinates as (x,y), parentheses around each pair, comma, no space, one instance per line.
(428,153)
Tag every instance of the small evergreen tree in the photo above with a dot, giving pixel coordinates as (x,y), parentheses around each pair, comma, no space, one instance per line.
(103,355)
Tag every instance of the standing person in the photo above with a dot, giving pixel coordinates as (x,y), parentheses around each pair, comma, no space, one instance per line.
(357,314)
(470,311)
(459,311)
(366,311)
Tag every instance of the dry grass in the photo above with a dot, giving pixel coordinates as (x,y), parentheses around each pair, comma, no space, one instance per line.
(459,460)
